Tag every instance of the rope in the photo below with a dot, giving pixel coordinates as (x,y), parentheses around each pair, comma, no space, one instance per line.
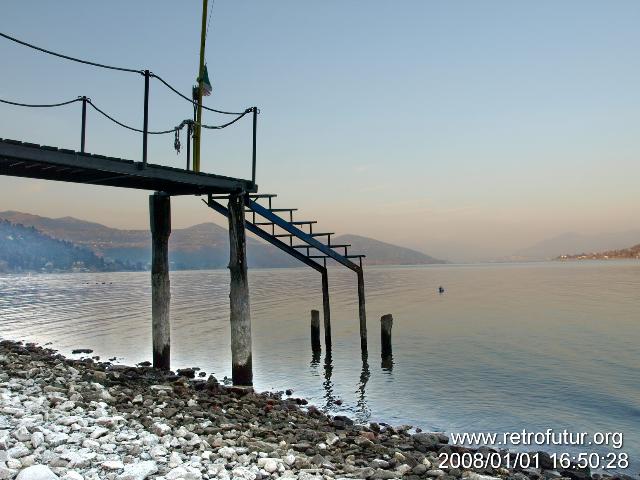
(189,99)
(73,59)
(35,105)
(225,125)
(128,127)
(162,132)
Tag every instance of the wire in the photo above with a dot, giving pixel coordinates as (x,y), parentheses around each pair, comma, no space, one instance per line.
(34,105)
(73,59)
(190,100)
(206,32)
(111,67)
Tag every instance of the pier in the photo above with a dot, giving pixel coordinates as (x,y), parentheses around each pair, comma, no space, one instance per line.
(235,198)
(243,211)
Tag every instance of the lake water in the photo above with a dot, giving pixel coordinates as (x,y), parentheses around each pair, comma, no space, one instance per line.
(507,347)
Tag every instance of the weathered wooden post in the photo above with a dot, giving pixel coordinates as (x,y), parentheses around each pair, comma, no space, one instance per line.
(362,311)
(160,220)
(386,323)
(326,309)
(315,330)
(241,363)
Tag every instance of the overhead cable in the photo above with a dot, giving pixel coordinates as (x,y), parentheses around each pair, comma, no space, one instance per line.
(67,57)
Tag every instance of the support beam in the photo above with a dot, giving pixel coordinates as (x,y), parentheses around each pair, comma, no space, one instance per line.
(386,324)
(160,220)
(362,312)
(241,363)
(315,330)
(326,309)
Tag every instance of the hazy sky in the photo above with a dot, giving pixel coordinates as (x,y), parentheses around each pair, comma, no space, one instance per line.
(466,129)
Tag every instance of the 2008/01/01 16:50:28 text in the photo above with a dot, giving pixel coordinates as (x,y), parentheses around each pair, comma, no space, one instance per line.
(618,460)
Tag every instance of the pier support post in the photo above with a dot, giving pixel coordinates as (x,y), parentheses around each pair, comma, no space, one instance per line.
(362,311)
(386,323)
(326,309)
(160,220)
(241,362)
(315,330)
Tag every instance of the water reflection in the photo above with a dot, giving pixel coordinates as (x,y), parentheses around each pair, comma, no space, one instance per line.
(329,398)
(387,363)
(362,409)
(315,360)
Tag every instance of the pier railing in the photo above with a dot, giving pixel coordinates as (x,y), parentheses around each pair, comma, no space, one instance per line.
(188,124)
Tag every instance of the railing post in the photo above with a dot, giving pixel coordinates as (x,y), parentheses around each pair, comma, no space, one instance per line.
(145,128)
(255,126)
(188,146)
(84,123)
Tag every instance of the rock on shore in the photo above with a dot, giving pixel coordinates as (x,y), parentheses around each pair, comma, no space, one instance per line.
(78,419)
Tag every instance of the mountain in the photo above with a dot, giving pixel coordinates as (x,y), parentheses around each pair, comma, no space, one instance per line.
(569,243)
(26,249)
(381,253)
(201,246)
(198,247)
(624,253)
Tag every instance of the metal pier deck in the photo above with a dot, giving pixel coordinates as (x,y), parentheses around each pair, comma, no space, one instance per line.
(29,160)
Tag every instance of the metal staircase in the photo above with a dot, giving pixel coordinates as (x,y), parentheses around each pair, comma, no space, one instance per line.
(287,234)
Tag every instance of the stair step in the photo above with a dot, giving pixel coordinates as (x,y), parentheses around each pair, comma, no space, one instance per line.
(326,234)
(252,195)
(331,246)
(327,256)
(309,234)
(248,210)
(297,222)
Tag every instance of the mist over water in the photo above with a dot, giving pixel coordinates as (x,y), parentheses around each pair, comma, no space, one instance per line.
(506,347)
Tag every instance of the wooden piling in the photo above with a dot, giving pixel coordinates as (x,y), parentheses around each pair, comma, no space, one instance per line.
(241,362)
(362,312)
(326,310)
(160,221)
(386,323)
(315,330)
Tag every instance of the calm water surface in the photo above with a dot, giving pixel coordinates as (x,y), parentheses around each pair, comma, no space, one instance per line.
(507,347)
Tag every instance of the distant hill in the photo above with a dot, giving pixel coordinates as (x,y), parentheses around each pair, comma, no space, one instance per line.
(381,253)
(569,243)
(26,249)
(198,247)
(201,246)
(624,253)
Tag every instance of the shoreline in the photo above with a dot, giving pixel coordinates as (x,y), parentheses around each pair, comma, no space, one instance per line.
(89,419)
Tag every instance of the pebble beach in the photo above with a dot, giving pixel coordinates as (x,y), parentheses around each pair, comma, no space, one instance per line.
(86,419)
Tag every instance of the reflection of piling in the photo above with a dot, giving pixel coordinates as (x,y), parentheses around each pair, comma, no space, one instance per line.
(386,323)
(315,331)
(330,400)
(363,412)
(387,363)
(315,359)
